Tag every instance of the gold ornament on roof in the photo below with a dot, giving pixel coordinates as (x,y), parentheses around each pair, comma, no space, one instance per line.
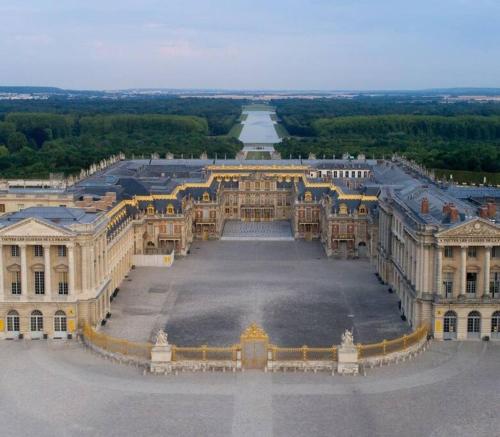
(254,331)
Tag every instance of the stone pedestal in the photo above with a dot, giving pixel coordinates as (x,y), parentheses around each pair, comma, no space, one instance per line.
(348,360)
(161,354)
(347,354)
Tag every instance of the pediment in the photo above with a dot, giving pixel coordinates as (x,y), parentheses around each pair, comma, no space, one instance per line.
(473,229)
(34,228)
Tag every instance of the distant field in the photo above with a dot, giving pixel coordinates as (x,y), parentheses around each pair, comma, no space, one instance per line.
(258,107)
(475,177)
(258,155)
(235,130)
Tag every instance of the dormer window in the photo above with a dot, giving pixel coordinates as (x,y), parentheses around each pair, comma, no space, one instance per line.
(363,210)
(308,196)
(150,209)
(170,209)
(206,197)
(343,208)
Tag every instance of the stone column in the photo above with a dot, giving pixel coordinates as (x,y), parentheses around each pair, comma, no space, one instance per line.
(487,263)
(439,271)
(85,260)
(71,268)
(2,289)
(463,270)
(48,271)
(24,270)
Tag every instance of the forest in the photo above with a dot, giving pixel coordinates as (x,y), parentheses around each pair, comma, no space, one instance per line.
(452,136)
(62,136)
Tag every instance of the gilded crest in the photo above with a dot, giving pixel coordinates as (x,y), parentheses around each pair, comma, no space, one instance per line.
(254,332)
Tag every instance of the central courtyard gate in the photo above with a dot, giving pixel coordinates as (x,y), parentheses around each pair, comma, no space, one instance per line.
(254,344)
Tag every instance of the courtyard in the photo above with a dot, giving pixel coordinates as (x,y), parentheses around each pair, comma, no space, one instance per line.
(290,288)
(57,388)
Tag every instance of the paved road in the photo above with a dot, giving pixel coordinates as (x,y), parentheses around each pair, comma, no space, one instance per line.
(60,389)
(258,128)
(290,288)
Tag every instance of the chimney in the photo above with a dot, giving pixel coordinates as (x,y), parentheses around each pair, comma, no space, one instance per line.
(483,212)
(454,217)
(447,208)
(492,209)
(424,206)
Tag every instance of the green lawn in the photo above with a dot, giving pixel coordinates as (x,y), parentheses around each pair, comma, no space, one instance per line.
(258,155)
(281,131)
(475,177)
(235,130)
(258,107)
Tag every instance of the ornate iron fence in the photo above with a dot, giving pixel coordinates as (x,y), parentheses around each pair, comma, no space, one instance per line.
(117,345)
(389,346)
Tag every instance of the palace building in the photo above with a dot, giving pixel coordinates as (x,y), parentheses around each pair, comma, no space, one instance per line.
(66,247)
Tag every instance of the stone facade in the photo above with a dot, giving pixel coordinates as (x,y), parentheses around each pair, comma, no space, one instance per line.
(61,265)
(443,261)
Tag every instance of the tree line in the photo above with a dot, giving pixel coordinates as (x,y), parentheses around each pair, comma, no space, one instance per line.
(458,136)
(73,135)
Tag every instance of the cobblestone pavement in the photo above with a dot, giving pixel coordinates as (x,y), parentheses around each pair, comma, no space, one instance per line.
(290,288)
(239,230)
(60,389)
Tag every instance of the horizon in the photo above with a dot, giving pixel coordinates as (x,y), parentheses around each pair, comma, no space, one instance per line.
(293,45)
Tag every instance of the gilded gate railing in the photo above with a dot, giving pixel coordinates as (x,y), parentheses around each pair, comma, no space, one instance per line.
(303,353)
(202,353)
(117,345)
(389,346)
(205,353)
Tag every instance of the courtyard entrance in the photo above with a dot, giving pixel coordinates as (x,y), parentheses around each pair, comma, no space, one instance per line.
(257,231)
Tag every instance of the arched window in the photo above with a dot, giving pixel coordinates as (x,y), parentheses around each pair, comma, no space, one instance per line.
(450,325)
(206,197)
(60,321)
(362,210)
(170,209)
(474,324)
(342,208)
(308,196)
(36,324)
(150,209)
(495,325)
(13,321)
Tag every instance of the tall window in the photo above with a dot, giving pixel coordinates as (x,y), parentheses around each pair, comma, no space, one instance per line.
(495,252)
(60,321)
(450,325)
(474,324)
(495,284)
(63,283)
(495,324)
(36,321)
(61,251)
(13,321)
(39,282)
(471,283)
(448,284)
(472,251)
(448,252)
(14,251)
(38,250)
(16,283)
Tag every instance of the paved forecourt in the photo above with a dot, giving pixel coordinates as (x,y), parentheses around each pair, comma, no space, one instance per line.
(290,288)
(57,388)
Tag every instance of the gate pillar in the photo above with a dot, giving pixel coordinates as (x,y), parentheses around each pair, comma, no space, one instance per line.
(254,343)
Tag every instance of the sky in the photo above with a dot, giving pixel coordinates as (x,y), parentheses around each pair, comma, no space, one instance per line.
(253,44)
